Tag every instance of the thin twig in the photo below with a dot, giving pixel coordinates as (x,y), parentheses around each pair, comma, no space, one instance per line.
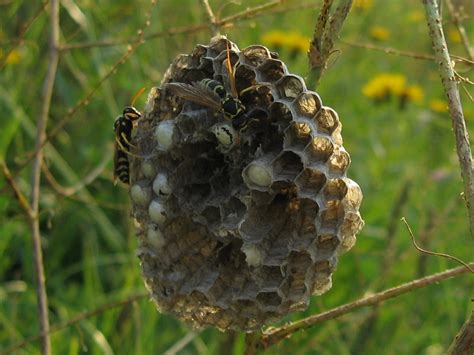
(36,174)
(389,50)
(83,182)
(463,343)
(417,247)
(326,32)
(210,16)
(77,319)
(462,31)
(274,336)
(21,198)
(450,85)
(250,13)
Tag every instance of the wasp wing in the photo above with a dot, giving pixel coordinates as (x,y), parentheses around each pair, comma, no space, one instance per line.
(195,92)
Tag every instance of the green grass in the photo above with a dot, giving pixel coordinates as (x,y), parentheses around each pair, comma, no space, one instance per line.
(88,238)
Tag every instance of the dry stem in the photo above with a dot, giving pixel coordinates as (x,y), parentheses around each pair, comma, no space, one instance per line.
(450,85)
(210,16)
(36,174)
(462,31)
(464,341)
(326,32)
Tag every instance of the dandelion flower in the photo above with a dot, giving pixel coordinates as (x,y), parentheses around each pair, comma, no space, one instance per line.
(438,105)
(14,57)
(292,41)
(384,85)
(454,35)
(413,93)
(379,33)
(363,4)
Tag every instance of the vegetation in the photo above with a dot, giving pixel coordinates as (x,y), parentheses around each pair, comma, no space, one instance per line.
(395,126)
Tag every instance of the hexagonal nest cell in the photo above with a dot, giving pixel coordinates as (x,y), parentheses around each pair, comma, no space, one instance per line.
(239,225)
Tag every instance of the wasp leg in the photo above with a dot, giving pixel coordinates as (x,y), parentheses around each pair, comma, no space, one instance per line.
(253,87)
(127,151)
(125,139)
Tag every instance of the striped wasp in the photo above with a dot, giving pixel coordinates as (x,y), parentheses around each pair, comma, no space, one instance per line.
(212,94)
(123,127)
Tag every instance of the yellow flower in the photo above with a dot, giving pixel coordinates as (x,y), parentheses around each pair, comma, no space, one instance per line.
(383,85)
(362,4)
(379,33)
(438,105)
(13,57)
(416,16)
(454,35)
(274,38)
(413,93)
(290,40)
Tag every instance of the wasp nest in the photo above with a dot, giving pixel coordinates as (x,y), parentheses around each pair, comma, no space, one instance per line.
(240,226)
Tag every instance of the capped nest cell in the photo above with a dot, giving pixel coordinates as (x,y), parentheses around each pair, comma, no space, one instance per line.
(239,226)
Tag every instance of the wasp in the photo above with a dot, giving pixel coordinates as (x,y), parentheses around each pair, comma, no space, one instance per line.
(211,93)
(123,127)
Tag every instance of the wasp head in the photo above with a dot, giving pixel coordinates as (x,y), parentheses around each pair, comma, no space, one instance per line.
(131,113)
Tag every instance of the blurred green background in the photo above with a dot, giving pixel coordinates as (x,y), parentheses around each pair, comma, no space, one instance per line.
(395,126)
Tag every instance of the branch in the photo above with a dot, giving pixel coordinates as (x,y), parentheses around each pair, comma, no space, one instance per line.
(36,174)
(463,343)
(210,16)
(462,32)
(389,50)
(274,336)
(443,255)
(22,200)
(326,32)
(450,85)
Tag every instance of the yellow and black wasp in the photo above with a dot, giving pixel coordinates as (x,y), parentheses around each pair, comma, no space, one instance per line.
(211,93)
(123,127)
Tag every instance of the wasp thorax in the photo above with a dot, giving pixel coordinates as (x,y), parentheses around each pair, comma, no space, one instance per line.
(243,201)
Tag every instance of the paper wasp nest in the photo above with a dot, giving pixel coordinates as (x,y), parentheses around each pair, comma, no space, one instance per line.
(237,228)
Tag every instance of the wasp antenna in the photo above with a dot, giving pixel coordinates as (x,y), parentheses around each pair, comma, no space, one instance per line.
(137,95)
(231,72)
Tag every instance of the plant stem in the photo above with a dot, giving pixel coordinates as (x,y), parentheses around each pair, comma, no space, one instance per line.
(47,93)
(451,89)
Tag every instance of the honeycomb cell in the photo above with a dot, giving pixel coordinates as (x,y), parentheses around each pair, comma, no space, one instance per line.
(297,136)
(319,150)
(335,189)
(310,181)
(353,195)
(322,285)
(327,242)
(332,215)
(281,114)
(339,161)
(258,174)
(212,215)
(238,230)
(271,71)
(327,120)
(287,166)
(244,78)
(269,300)
(290,86)
(255,55)
(308,104)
